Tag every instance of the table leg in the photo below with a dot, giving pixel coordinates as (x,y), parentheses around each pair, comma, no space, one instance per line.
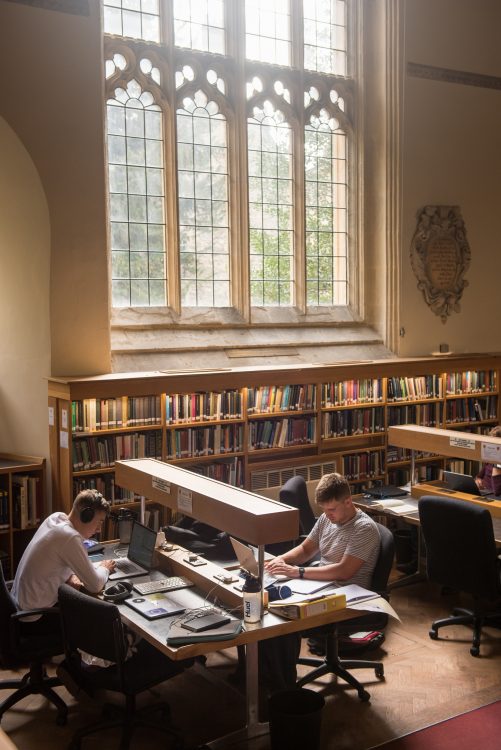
(253,728)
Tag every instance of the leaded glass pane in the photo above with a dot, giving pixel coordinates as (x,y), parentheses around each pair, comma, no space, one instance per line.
(199,24)
(325,48)
(326,225)
(139,19)
(136,191)
(268,31)
(270,209)
(203,203)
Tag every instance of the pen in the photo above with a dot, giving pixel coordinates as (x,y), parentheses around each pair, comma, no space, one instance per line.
(359,598)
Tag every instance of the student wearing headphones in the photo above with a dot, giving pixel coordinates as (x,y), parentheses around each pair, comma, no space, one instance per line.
(57,555)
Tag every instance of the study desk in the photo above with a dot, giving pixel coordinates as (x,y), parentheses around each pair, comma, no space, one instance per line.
(155,632)
(412,518)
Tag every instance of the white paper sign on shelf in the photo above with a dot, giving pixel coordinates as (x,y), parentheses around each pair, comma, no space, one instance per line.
(161,484)
(63,439)
(491,453)
(462,442)
(184,500)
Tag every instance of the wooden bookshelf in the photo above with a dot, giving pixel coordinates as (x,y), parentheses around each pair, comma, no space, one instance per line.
(22,505)
(254,427)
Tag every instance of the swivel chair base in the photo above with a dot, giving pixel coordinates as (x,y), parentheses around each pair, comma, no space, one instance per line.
(332,664)
(34,682)
(462,616)
(128,719)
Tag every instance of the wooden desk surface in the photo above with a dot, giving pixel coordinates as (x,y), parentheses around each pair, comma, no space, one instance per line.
(206,590)
(434,488)
(413,518)
(155,631)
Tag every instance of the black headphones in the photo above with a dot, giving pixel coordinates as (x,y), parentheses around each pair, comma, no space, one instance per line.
(89,511)
(117,592)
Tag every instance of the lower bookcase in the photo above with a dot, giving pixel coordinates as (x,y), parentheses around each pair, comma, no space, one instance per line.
(256,427)
(22,505)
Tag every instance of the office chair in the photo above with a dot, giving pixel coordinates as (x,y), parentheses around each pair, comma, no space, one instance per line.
(95,627)
(461,554)
(19,647)
(295,493)
(332,663)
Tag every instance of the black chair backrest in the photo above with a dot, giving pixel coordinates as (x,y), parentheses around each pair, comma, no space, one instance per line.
(294,492)
(384,563)
(460,545)
(91,625)
(7,608)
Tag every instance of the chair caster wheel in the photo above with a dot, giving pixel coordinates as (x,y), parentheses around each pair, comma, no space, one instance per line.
(364,696)
(433,635)
(379,672)
(475,651)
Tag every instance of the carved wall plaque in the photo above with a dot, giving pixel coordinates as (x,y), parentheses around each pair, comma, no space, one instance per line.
(440,256)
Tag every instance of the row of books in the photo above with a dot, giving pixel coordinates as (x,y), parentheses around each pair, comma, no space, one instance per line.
(425,386)
(275,398)
(367,390)
(105,484)
(424,473)
(26,501)
(362,465)
(204,441)
(102,452)
(394,454)
(427,415)
(202,407)
(229,472)
(470,381)
(471,409)
(281,433)
(353,422)
(93,414)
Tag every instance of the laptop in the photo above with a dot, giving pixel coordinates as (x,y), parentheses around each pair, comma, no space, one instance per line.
(464,483)
(139,558)
(248,562)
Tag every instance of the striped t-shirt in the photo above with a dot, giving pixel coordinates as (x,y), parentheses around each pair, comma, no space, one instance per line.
(358,537)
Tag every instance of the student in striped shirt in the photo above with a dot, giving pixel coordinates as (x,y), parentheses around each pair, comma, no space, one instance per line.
(346,539)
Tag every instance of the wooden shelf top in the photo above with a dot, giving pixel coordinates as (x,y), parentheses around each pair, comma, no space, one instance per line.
(241,513)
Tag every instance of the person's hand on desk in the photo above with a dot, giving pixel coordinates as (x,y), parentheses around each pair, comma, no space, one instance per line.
(278,566)
(109,564)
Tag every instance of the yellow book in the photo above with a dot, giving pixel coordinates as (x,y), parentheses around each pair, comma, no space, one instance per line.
(296,610)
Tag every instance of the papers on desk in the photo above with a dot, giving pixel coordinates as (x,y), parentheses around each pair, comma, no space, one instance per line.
(379,605)
(393,505)
(307,586)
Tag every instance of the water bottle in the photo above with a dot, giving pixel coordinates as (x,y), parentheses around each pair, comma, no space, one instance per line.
(253,599)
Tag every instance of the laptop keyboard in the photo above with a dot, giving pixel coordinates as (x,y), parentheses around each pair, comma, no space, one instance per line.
(125,567)
(163,584)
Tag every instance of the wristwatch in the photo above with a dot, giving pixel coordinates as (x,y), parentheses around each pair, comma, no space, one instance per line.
(301,572)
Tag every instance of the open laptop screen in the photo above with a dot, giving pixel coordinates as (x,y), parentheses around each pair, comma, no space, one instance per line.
(142,545)
(461,482)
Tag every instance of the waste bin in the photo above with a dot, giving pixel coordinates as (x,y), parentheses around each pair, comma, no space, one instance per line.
(403,546)
(295,719)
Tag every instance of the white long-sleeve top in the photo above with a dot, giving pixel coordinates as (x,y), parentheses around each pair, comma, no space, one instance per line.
(53,555)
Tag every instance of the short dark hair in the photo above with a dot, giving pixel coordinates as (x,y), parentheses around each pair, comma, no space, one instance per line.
(332,487)
(91,499)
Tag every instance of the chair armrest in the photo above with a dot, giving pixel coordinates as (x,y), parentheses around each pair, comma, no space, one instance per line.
(23,613)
